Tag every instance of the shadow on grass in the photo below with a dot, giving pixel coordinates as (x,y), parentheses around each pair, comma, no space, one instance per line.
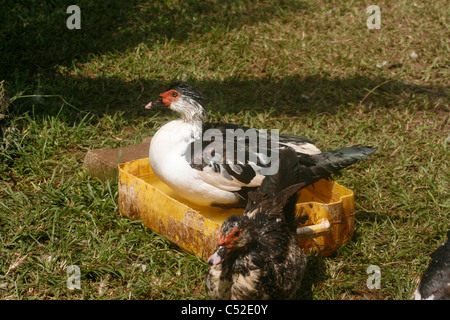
(316,271)
(34,37)
(34,40)
(288,96)
(315,274)
(370,216)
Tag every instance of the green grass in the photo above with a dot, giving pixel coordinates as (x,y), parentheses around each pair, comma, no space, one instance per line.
(304,67)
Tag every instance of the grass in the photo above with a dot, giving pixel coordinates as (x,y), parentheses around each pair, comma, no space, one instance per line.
(306,68)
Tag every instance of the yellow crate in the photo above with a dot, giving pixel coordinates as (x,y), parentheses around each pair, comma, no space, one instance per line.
(329,208)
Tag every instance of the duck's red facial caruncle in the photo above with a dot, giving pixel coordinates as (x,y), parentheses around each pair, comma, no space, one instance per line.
(165,100)
(229,239)
(169,97)
(225,243)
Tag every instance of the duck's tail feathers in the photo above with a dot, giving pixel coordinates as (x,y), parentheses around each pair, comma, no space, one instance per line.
(328,163)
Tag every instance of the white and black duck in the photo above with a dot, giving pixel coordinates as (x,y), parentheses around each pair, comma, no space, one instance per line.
(216,180)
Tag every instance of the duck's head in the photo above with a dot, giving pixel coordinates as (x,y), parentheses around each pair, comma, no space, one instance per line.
(183,99)
(237,235)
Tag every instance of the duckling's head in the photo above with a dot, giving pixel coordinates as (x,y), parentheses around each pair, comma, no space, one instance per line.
(237,235)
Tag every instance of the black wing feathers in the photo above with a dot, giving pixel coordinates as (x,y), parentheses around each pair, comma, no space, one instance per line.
(328,163)
(276,197)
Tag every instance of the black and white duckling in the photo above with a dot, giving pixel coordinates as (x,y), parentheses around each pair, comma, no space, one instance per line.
(258,256)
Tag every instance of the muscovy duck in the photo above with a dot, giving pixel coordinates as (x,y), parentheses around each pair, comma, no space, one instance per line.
(258,256)
(435,282)
(208,172)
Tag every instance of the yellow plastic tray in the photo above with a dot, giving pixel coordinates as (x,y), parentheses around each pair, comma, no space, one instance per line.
(328,205)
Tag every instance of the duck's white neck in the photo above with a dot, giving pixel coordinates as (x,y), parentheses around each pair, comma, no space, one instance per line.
(191,111)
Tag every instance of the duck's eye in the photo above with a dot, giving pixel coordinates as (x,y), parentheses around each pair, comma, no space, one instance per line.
(174,94)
